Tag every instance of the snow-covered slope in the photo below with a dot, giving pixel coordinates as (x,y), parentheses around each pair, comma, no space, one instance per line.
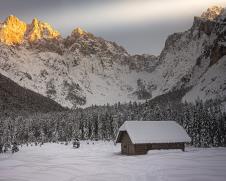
(83,69)
(74,77)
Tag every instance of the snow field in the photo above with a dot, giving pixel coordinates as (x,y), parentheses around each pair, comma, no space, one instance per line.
(102,161)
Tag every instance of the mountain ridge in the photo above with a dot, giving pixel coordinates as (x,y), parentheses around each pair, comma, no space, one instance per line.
(82,69)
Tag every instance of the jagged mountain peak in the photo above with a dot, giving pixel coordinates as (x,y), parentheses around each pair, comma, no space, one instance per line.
(78,32)
(212,13)
(14,31)
(38,30)
(11,19)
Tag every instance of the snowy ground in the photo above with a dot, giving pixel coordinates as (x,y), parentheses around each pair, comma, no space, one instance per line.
(103,161)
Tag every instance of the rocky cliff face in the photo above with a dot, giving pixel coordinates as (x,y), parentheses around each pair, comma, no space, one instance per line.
(208,78)
(83,69)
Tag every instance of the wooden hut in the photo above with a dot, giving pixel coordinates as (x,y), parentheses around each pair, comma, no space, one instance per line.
(137,137)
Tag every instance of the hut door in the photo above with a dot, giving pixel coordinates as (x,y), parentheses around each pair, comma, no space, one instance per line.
(131,149)
(128,148)
(124,148)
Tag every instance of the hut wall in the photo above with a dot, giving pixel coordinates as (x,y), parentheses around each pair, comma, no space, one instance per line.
(155,146)
(143,148)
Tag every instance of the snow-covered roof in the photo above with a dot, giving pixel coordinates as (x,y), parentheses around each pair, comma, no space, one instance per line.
(153,132)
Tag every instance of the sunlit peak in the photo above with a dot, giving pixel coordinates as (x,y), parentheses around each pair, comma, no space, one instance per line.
(79,31)
(212,12)
(12,31)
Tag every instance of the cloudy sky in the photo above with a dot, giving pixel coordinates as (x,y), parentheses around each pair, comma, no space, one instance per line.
(141,26)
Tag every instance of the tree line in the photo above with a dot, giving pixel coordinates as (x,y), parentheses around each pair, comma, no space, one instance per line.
(205,122)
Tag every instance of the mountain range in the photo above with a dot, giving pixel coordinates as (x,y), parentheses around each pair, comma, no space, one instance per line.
(82,69)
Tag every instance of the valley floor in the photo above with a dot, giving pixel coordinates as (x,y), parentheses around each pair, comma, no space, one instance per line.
(103,161)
